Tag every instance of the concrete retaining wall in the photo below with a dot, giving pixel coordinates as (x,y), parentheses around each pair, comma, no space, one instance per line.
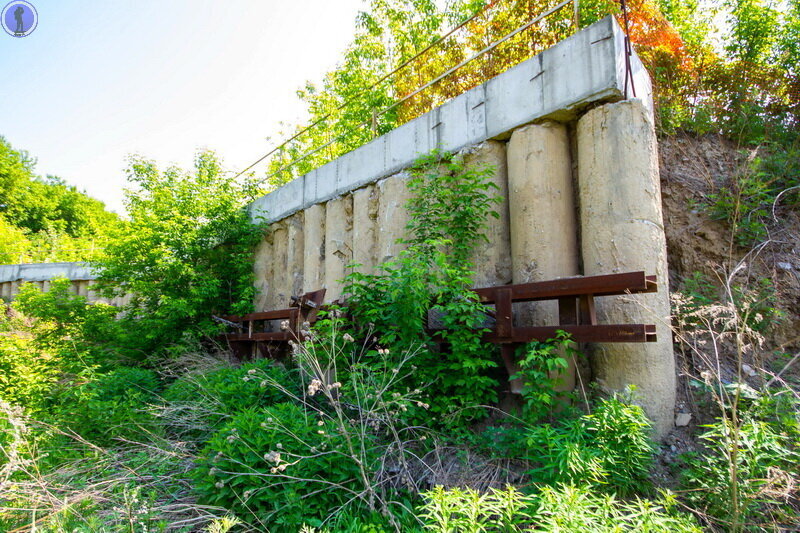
(40,274)
(575,167)
(559,84)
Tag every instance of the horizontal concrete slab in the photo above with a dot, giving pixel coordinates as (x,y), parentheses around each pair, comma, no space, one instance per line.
(46,272)
(557,84)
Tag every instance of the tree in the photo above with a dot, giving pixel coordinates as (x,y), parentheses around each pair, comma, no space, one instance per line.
(185,254)
(47,219)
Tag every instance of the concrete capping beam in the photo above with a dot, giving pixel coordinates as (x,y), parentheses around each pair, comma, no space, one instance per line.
(558,84)
(46,272)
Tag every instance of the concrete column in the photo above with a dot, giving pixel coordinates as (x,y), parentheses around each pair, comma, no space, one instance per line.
(365,215)
(278,296)
(492,259)
(314,248)
(91,295)
(295,254)
(5,291)
(262,270)
(544,241)
(392,216)
(82,287)
(338,243)
(622,230)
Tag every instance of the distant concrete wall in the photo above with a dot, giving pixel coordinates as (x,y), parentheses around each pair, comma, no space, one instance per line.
(41,274)
(560,139)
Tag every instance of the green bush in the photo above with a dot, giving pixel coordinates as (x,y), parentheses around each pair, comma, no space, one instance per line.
(26,373)
(769,182)
(570,508)
(467,510)
(749,472)
(609,449)
(81,333)
(449,209)
(108,406)
(220,394)
(185,252)
(277,467)
(541,366)
(560,508)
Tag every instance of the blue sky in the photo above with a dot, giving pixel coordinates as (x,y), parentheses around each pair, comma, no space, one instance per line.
(98,80)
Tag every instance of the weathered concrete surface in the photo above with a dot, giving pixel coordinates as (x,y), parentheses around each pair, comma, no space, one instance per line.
(314,248)
(392,216)
(578,72)
(492,259)
(338,244)
(365,221)
(295,253)
(45,272)
(40,274)
(262,270)
(622,230)
(544,242)
(280,291)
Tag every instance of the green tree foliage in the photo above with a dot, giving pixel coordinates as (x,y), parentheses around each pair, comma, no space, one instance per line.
(44,219)
(388,33)
(14,243)
(186,252)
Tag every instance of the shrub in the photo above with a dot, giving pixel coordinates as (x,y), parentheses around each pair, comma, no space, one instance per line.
(540,364)
(609,449)
(185,253)
(467,510)
(561,508)
(26,373)
(570,508)
(768,182)
(214,396)
(51,336)
(750,471)
(81,333)
(449,209)
(108,406)
(277,467)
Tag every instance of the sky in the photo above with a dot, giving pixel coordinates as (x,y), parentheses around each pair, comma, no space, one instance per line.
(98,80)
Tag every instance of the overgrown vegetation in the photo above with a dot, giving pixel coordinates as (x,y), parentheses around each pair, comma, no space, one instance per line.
(43,219)
(137,423)
(449,208)
(183,255)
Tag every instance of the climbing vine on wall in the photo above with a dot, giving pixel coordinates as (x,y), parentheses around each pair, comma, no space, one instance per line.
(450,206)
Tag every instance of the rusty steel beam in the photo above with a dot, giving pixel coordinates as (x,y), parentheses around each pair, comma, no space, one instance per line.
(605,285)
(579,333)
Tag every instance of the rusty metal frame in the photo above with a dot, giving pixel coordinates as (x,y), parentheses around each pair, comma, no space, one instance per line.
(576,315)
(576,308)
(270,343)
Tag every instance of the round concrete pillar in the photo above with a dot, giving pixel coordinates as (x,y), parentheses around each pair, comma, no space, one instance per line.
(392,216)
(295,254)
(492,258)
(278,295)
(262,271)
(622,230)
(365,215)
(314,248)
(544,243)
(338,244)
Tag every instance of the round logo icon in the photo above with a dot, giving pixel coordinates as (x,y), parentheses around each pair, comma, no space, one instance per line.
(19,18)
